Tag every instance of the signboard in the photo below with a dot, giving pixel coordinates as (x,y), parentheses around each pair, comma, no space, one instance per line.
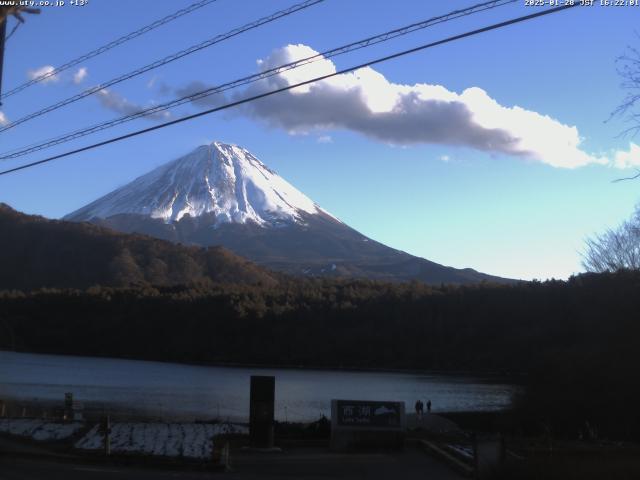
(353,413)
(358,424)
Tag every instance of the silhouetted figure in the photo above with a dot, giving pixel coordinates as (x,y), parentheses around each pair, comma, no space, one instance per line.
(428,406)
(419,409)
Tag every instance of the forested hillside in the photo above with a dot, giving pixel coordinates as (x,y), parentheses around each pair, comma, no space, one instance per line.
(36,252)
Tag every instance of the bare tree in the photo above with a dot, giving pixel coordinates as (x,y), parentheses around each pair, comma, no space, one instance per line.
(619,248)
(615,249)
(628,67)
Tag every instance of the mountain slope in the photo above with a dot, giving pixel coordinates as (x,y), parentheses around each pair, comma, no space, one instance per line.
(221,194)
(36,252)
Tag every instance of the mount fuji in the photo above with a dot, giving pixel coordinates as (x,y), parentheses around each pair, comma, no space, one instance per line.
(221,194)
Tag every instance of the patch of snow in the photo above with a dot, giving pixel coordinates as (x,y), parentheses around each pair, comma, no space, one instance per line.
(187,440)
(91,441)
(39,429)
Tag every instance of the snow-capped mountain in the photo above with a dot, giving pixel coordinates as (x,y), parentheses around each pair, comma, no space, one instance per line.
(224,180)
(221,194)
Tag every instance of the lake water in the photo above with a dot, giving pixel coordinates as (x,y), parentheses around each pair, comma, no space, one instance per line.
(200,392)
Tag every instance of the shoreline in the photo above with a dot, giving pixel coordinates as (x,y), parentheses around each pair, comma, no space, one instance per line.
(515,378)
(94,410)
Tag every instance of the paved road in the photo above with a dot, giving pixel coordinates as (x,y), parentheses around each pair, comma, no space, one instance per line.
(312,464)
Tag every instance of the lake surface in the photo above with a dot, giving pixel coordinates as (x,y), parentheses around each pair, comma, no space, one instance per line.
(201,392)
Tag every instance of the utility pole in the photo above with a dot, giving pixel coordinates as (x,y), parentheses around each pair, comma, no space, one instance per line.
(3,32)
(17,12)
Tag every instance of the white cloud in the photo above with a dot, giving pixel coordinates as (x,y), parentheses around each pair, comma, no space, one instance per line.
(80,75)
(38,72)
(117,103)
(445,158)
(325,139)
(366,102)
(3,119)
(628,159)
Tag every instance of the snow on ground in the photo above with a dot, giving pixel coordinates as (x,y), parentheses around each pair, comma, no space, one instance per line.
(187,440)
(39,429)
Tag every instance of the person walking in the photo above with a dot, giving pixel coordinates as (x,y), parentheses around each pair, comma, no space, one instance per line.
(428,406)
(419,409)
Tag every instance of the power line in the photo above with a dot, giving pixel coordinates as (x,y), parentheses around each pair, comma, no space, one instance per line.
(383,37)
(158,63)
(495,26)
(108,46)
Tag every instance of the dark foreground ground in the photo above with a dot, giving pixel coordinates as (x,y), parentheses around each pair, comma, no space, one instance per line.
(305,455)
(301,463)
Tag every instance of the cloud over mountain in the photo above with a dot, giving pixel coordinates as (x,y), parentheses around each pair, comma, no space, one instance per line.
(366,102)
(115,102)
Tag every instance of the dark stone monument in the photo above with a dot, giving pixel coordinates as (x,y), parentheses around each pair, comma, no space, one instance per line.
(261,411)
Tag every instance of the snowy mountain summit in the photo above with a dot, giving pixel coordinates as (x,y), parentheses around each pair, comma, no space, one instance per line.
(224,180)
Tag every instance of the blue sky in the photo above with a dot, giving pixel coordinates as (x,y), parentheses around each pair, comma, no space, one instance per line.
(497,210)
